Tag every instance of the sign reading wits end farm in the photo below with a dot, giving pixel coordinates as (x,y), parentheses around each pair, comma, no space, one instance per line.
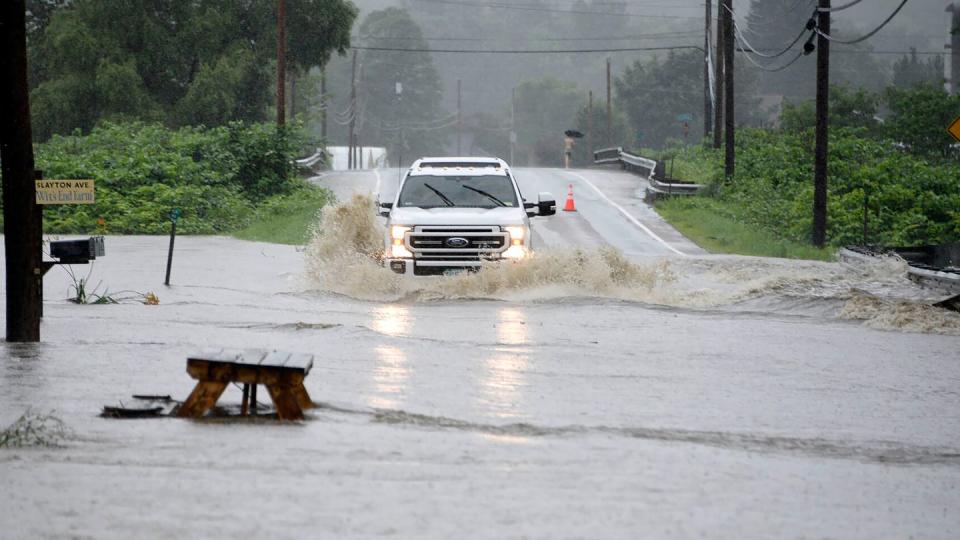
(65,192)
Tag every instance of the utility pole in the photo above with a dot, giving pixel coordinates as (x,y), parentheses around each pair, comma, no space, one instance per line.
(21,216)
(590,125)
(513,116)
(459,126)
(728,93)
(325,103)
(353,109)
(823,117)
(718,80)
(954,48)
(281,63)
(707,106)
(609,109)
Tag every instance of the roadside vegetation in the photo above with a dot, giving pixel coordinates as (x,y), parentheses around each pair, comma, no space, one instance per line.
(235,178)
(901,176)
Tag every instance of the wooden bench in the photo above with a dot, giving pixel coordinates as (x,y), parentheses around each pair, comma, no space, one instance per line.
(281,372)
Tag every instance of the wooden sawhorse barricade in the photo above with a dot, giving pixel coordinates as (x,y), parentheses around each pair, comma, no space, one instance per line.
(281,372)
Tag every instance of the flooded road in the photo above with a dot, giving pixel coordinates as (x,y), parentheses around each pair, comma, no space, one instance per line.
(620,393)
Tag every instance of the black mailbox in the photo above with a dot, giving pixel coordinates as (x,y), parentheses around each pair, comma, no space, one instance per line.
(77,250)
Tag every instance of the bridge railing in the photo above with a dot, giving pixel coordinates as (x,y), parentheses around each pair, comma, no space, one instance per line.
(650,169)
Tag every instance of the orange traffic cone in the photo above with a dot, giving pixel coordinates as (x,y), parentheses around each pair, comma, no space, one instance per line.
(570,207)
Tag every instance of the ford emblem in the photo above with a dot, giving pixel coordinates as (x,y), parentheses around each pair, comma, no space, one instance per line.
(457,242)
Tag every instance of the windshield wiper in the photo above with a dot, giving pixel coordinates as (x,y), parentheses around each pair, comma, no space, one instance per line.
(446,201)
(485,194)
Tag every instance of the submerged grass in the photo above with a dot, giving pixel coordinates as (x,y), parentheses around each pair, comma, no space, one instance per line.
(34,430)
(712,225)
(287,219)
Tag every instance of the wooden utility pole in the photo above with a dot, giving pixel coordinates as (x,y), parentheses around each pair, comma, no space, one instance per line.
(609,109)
(590,125)
(21,217)
(718,80)
(281,62)
(728,90)
(954,48)
(823,116)
(459,118)
(325,103)
(707,105)
(513,117)
(353,109)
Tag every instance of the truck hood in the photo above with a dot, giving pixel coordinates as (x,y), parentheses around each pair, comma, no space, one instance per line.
(457,216)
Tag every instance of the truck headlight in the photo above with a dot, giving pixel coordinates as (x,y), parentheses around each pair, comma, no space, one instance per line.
(516,235)
(515,251)
(397,249)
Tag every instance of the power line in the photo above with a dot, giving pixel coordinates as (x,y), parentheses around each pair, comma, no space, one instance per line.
(839,8)
(528,51)
(530,40)
(538,9)
(868,35)
(743,40)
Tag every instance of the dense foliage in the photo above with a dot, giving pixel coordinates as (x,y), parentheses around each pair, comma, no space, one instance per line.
(411,122)
(909,199)
(203,61)
(660,96)
(214,176)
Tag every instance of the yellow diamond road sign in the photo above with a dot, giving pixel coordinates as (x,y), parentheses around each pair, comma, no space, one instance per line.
(954,129)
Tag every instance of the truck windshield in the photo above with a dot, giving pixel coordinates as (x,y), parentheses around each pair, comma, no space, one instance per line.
(486,191)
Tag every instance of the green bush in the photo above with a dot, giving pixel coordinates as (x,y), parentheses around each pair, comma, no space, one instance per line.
(910,199)
(216,177)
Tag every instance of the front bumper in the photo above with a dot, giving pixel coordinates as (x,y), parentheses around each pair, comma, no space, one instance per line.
(414,267)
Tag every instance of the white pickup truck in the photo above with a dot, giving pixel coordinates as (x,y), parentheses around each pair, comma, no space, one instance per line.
(450,214)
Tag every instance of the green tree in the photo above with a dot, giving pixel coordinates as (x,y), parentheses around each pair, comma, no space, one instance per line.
(660,95)
(773,24)
(919,117)
(619,132)
(848,108)
(910,71)
(209,61)
(545,108)
(413,115)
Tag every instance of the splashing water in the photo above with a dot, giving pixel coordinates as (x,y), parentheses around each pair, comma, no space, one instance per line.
(346,252)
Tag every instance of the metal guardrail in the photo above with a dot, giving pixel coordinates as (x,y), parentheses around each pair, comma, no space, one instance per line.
(310,162)
(646,167)
(607,155)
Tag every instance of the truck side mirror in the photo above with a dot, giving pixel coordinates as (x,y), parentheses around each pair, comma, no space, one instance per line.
(385,208)
(546,204)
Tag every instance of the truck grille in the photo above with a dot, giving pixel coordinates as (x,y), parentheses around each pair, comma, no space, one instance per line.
(456,243)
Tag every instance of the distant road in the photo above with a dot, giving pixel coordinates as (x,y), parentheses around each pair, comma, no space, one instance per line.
(610,209)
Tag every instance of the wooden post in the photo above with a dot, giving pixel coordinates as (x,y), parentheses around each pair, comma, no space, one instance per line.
(281,62)
(22,236)
(325,103)
(590,148)
(513,117)
(707,106)
(820,153)
(728,114)
(609,109)
(459,118)
(353,109)
(718,79)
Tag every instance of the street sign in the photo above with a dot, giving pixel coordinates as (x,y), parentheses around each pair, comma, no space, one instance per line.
(65,192)
(175,214)
(954,129)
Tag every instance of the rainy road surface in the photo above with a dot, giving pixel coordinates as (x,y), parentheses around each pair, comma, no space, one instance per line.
(584,394)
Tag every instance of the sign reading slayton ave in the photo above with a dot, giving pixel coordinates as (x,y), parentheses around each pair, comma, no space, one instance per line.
(65,192)
(954,129)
